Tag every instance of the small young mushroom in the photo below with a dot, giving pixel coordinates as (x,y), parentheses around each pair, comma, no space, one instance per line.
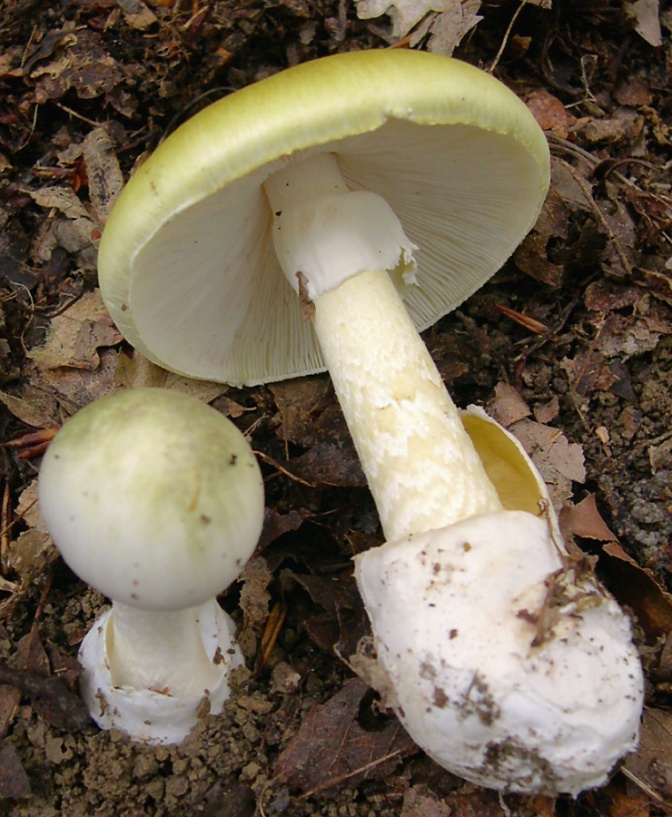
(370,192)
(156,500)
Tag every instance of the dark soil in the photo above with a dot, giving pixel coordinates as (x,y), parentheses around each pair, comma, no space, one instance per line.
(577,328)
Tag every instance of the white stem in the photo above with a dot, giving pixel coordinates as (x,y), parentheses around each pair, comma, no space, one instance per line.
(160,650)
(422,468)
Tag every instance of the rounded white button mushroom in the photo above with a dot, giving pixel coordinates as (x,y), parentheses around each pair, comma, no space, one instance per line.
(156,500)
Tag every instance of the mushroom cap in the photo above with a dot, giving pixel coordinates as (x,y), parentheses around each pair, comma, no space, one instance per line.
(153,498)
(187,265)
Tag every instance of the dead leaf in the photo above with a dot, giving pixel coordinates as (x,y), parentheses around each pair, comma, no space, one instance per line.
(254,595)
(584,520)
(329,464)
(137,14)
(532,256)
(419,801)
(589,372)
(50,697)
(80,64)
(449,27)
(646,16)
(135,371)
(631,584)
(637,588)
(35,407)
(75,388)
(507,406)
(550,113)
(75,336)
(332,750)
(653,760)
(103,173)
(451,21)
(548,412)
(276,524)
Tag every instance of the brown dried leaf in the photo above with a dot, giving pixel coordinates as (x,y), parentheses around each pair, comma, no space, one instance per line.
(78,387)
(559,462)
(531,257)
(585,520)
(646,18)
(81,64)
(550,113)
(653,760)
(453,19)
(103,173)
(328,464)
(276,524)
(419,801)
(135,371)
(137,14)
(589,372)
(75,336)
(50,697)
(632,585)
(507,406)
(35,407)
(625,801)
(302,404)
(638,588)
(332,750)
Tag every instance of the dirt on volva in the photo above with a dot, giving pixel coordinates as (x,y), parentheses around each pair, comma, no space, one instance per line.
(569,345)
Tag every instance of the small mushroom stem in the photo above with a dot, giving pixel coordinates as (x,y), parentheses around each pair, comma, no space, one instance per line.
(421,466)
(160,650)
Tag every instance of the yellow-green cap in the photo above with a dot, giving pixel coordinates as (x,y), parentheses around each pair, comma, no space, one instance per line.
(187,265)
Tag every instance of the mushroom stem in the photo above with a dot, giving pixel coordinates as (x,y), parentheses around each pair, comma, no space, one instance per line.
(142,646)
(407,430)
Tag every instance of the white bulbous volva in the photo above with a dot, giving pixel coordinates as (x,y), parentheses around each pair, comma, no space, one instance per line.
(504,661)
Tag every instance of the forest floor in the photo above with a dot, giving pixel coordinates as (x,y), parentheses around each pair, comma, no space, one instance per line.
(570,345)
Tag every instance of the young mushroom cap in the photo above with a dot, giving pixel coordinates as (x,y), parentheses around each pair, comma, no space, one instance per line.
(153,498)
(156,500)
(188,267)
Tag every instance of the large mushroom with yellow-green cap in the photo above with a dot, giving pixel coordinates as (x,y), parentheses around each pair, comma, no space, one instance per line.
(318,220)
(376,189)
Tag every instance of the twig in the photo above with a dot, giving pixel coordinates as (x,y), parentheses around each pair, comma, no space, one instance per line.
(507,34)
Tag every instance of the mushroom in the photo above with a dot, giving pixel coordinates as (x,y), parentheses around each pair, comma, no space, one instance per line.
(370,193)
(515,669)
(324,179)
(156,500)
